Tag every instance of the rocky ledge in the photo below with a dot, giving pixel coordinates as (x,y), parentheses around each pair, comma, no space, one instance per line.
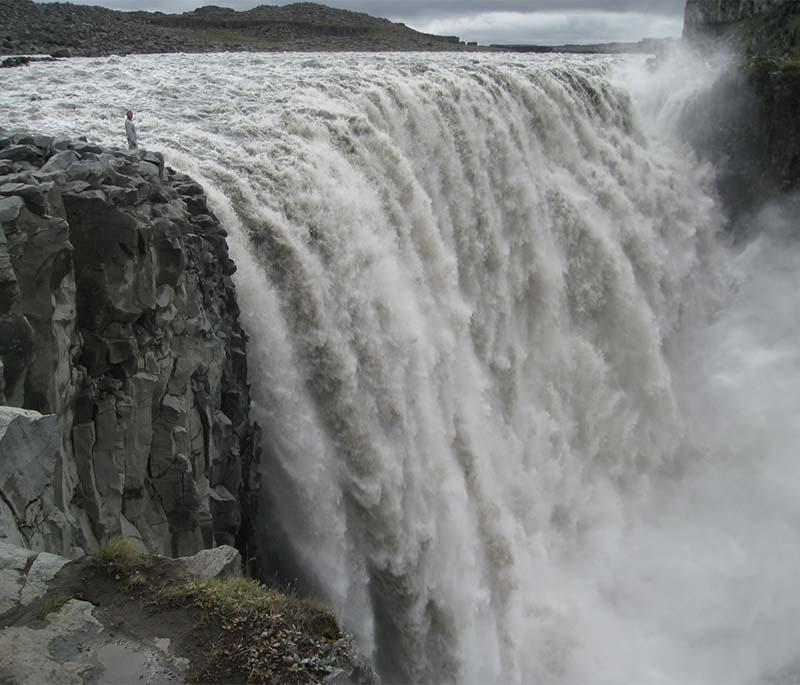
(126,617)
(123,369)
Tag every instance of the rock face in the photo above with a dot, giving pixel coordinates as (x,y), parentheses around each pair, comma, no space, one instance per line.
(31,507)
(713,15)
(24,575)
(119,335)
(747,123)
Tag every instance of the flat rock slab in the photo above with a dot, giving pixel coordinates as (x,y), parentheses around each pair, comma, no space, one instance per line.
(53,654)
(25,575)
(75,648)
(71,644)
(14,563)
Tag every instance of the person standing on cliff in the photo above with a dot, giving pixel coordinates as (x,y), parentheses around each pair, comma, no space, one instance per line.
(130,131)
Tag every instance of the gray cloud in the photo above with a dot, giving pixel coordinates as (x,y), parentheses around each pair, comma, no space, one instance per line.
(492,21)
(555,27)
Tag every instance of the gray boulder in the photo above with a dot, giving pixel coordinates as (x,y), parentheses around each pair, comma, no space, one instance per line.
(217,562)
(30,456)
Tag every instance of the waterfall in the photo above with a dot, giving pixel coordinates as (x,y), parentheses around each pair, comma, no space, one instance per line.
(477,292)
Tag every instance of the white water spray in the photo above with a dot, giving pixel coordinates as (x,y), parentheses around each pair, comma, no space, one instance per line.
(500,438)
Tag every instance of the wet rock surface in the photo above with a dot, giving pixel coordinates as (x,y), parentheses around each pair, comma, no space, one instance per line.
(49,634)
(747,123)
(120,340)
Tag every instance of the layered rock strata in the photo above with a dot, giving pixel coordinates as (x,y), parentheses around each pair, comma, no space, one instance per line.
(122,361)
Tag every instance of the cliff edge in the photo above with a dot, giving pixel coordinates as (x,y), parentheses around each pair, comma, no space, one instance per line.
(125,617)
(123,370)
(748,124)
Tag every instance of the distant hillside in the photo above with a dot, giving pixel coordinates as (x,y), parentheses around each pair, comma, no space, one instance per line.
(647,46)
(80,30)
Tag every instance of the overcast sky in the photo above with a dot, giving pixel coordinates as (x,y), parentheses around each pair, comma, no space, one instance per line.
(492,21)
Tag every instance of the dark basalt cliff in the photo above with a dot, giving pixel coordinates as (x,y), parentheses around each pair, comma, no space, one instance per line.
(748,124)
(66,29)
(122,361)
(718,17)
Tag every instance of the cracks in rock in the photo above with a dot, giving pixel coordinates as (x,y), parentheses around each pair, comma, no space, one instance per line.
(195,332)
(20,524)
(128,252)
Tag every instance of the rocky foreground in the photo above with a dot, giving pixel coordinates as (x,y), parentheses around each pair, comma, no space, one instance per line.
(65,30)
(124,617)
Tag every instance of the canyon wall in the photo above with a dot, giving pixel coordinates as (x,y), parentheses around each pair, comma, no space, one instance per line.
(703,17)
(123,370)
(747,124)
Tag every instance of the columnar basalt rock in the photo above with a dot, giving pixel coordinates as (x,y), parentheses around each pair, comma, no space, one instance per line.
(119,326)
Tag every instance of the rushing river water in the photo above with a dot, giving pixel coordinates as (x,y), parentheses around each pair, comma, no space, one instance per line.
(527,418)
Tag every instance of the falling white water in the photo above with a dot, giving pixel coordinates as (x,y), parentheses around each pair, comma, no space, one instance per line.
(526,418)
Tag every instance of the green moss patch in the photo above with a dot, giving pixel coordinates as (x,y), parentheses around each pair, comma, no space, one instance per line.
(118,557)
(53,604)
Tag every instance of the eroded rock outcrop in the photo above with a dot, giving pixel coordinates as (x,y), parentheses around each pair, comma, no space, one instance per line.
(119,326)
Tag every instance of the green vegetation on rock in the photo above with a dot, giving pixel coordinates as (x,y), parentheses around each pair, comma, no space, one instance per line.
(53,604)
(265,635)
(249,632)
(118,556)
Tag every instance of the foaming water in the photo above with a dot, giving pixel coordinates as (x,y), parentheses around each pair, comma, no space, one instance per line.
(517,427)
